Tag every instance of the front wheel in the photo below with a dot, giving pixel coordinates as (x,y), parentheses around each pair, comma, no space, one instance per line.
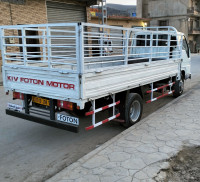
(133,109)
(178,88)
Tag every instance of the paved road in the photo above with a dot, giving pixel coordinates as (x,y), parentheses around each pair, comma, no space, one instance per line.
(145,152)
(33,152)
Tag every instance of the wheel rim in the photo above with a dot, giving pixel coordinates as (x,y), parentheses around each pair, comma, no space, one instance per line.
(135,111)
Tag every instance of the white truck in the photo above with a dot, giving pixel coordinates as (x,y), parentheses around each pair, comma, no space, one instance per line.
(63,71)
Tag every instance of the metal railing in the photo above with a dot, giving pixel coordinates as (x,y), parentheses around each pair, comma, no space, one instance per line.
(44,46)
(82,47)
(114,46)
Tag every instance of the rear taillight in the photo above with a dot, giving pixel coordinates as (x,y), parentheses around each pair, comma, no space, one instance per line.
(18,95)
(65,105)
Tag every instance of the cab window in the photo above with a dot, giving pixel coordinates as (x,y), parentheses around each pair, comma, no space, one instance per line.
(185,46)
(162,40)
(140,40)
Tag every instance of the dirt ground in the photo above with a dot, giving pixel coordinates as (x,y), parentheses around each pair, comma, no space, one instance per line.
(185,167)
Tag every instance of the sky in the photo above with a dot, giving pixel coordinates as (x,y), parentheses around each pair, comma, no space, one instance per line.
(125,2)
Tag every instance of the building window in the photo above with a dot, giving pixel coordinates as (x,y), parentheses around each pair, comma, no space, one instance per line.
(163,23)
(14,1)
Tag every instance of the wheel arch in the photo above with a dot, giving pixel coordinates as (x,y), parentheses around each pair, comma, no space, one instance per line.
(138,90)
(183,74)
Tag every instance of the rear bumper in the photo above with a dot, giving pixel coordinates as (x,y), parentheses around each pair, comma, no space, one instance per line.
(43,121)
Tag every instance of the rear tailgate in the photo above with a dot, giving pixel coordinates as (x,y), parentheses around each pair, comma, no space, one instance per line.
(44,83)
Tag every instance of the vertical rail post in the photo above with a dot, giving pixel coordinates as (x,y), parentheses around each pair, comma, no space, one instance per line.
(3,52)
(77,34)
(3,49)
(44,46)
(181,52)
(156,40)
(23,30)
(80,59)
(114,105)
(101,44)
(49,46)
(126,47)
(152,91)
(169,44)
(93,116)
(151,46)
(180,46)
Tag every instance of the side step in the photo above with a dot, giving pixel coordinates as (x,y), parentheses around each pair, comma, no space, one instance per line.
(94,111)
(160,88)
(52,123)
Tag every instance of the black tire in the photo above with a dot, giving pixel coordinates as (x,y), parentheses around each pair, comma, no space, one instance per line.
(178,88)
(132,116)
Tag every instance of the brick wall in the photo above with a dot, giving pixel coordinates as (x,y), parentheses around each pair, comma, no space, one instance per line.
(32,12)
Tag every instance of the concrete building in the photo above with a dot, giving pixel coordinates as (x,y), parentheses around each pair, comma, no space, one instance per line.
(182,14)
(121,21)
(126,22)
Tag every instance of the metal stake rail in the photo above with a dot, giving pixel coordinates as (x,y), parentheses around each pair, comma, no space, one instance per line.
(80,47)
(160,88)
(94,111)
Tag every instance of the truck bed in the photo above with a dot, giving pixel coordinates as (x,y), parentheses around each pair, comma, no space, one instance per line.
(91,85)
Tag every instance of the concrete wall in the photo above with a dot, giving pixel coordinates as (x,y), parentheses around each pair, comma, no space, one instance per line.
(180,23)
(142,8)
(174,11)
(160,8)
(139,9)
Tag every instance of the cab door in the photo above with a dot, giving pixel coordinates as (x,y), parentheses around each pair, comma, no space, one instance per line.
(186,56)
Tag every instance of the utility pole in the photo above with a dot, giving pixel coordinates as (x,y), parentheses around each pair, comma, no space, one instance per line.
(103,9)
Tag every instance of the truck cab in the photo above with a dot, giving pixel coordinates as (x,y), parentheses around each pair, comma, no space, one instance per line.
(186,59)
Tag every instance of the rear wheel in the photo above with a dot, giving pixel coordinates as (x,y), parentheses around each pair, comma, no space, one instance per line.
(133,109)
